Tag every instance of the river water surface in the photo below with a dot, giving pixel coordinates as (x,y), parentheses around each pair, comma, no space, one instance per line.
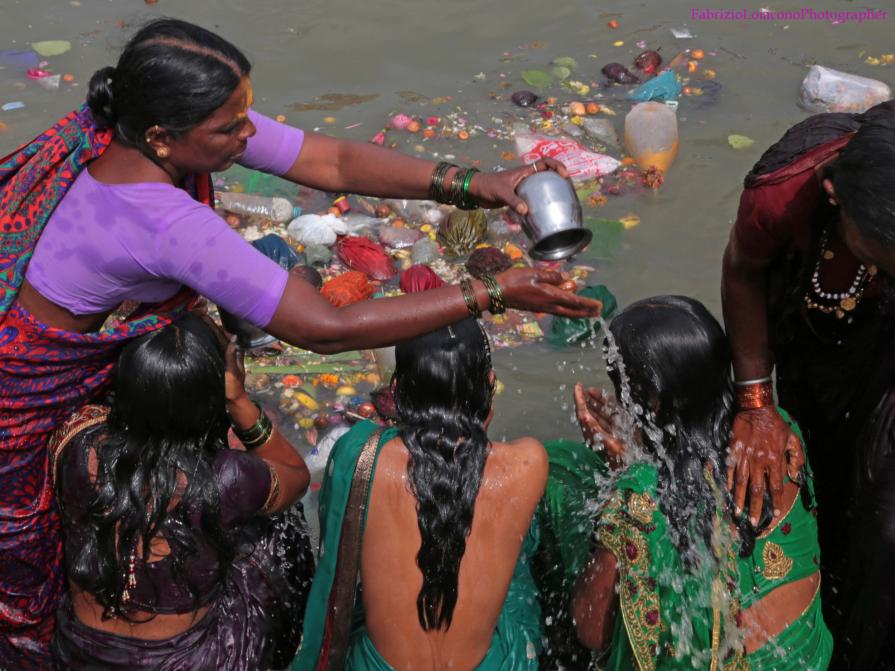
(403,52)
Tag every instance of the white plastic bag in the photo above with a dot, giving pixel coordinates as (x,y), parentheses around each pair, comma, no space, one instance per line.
(826,90)
(315,229)
(583,165)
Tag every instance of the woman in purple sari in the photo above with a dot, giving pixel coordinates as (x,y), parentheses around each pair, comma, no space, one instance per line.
(173,559)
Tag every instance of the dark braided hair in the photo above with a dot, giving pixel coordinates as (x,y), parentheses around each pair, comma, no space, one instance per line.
(443,393)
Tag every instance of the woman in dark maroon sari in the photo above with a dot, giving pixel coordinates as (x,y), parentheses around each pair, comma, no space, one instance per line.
(173,558)
(807,286)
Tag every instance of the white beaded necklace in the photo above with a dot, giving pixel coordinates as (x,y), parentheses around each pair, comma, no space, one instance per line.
(844,301)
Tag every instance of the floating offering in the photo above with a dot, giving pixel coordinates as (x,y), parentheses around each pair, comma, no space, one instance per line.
(360,253)
(348,288)
(648,61)
(462,231)
(419,278)
(619,74)
(524,98)
(487,261)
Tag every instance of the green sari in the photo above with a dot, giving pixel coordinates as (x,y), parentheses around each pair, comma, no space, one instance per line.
(672,618)
(517,635)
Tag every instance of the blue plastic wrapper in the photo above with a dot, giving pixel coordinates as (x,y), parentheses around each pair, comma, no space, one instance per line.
(278,250)
(662,88)
(18,59)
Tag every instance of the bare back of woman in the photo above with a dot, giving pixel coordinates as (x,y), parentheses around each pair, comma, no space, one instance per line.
(512,484)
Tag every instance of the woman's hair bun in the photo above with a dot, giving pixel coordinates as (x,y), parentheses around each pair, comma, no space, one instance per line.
(99,96)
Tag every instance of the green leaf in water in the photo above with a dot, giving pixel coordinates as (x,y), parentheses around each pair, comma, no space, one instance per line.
(561,72)
(607,237)
(566,62)
(537,78)
(51,47)
(740,141)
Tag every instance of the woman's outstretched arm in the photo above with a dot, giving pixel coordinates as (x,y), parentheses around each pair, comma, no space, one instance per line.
(306,319)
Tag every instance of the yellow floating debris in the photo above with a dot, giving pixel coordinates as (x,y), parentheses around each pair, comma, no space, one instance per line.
(306,401)
(630,221)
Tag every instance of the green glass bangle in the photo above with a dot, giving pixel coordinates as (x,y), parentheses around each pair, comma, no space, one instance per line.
(467,202)
(258,433)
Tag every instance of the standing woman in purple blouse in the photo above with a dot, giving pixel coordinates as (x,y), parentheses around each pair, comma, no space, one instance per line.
(113,204)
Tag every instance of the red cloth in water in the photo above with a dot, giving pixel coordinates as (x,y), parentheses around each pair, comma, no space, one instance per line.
(419,278)
(351,287)
(360,253)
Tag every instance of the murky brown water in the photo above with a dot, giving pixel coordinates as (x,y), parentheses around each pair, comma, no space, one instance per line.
(303,49)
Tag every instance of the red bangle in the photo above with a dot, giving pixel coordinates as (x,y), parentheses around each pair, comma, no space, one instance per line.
(755,396)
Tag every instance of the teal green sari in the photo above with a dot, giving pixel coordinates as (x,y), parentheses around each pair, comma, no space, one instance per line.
(517,636)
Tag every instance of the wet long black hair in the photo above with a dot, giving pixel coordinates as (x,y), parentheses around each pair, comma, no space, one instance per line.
(862,176)
(443,394)
(173,74)
(166,424)
(678,363)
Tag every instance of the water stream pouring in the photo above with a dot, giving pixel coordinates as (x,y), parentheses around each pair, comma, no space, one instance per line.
(553,223)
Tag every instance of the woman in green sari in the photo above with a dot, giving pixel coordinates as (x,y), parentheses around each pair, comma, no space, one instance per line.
(676,578)
(445,526)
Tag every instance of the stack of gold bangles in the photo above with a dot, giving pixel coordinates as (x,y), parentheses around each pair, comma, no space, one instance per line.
(495,294)
(455,192)
(258,433)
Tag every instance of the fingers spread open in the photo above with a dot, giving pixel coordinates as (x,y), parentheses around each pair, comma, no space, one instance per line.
(795,457)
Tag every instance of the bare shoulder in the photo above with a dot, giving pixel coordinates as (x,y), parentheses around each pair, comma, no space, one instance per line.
(524,460)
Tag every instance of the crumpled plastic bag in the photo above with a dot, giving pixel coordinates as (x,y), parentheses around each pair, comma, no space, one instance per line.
(277,250)
(567,330)
(828,90)
(419,278)
(359,253)
(583,165)
(348,288)
(316,229)
(398,238)
(661,88)
(424,250)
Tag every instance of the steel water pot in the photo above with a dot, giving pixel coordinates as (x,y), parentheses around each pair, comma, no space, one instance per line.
(247,336)
(554,221)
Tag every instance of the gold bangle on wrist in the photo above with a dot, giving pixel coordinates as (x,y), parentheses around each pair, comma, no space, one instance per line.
(472,304)
(495,293)
(436,185)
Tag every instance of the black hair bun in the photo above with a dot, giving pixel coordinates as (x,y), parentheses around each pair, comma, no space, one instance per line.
(99,96)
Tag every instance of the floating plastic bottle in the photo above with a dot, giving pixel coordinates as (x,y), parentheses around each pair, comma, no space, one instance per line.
(826,90)
(277,209)
(651,135)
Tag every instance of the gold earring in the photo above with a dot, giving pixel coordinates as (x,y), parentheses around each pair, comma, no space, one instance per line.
(162,153)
